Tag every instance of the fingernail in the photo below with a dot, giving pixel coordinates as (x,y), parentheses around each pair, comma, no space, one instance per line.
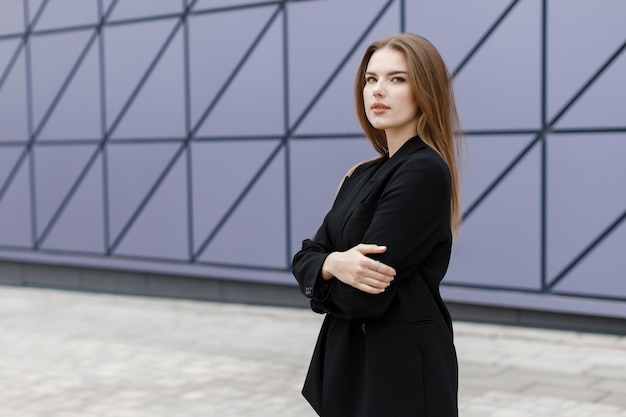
(383,290)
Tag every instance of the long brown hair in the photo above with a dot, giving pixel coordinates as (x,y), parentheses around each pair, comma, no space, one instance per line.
(438,121)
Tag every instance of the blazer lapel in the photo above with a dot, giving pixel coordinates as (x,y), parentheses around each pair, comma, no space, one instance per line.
(382,171)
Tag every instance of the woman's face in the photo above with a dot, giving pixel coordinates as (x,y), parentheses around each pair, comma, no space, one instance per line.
(387,95)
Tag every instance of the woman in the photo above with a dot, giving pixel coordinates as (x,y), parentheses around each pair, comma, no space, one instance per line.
(374,267)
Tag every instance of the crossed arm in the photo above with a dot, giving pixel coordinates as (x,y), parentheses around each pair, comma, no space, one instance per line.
(411,219)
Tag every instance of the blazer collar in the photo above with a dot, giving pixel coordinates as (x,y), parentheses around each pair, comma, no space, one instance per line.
(408,148)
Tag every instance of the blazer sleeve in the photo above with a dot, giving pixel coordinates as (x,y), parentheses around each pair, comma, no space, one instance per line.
(412,219)
(307,264)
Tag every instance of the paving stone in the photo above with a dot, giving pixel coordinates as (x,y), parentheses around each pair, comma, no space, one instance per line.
(570,393)
(70,354)
(615,398)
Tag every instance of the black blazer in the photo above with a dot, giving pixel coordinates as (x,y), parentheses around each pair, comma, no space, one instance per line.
(391,354)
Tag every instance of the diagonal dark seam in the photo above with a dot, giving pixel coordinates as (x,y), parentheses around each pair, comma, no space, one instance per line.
(5,75)
(11,63)
(587,250)
(174,159)
(144,78)
(64,86)
(27,149)
(534,141)
(153,189)
(484,38)
(244,6)
(341,65)
(91,159)
(114,125)
(235,71)
(239,199)
(606,232)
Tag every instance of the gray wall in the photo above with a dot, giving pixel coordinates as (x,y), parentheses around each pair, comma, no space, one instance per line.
(206,138)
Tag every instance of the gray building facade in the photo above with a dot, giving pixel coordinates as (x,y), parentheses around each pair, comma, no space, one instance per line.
(186,147)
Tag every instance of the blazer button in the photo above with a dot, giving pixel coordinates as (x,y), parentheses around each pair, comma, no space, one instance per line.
(363,328)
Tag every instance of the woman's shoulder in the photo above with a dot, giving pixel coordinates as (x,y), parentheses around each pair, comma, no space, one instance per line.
(363,166)
(425,163)
(358,169)
(426,157)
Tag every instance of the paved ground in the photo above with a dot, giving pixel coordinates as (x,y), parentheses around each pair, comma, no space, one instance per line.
(83,355)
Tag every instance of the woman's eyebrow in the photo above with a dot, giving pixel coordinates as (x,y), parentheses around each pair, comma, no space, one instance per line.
(389,73)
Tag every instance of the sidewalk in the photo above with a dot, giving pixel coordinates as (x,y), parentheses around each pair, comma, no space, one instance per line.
(83,355)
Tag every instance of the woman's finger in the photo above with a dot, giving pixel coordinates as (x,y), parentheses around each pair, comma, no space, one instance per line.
(366,248)
(370,289)
(381,268)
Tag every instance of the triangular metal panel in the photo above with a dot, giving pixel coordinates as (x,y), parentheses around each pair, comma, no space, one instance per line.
(601,272)
(581,37)
(159,108)
(15,211)
(63,13)
(53,57)
(78,113)
(213,4)
(80,227)
(459,35)
(161,230)
(8,158)
(34,7)
(130,9)
(253,104)
(57,169)
(312,59)
(500,87)
(141,40)
(132,170)
(604,104)
(221,171)
(255,235)
(485,159)
(106,5)
(8,47)
(13,107)
(334,111)
(586,192)
(11,17)
(500,243)
(212,65)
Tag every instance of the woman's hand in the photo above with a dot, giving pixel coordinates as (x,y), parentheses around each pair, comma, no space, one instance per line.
(354,268)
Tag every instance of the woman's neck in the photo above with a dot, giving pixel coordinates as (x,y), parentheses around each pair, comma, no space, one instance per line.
(395,140)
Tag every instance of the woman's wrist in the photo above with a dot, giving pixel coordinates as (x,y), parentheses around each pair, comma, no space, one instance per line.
(327,266)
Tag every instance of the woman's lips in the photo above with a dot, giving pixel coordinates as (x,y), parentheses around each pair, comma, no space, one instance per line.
(379,108)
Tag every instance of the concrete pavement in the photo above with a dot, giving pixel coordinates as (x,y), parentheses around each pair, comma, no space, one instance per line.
(70,354)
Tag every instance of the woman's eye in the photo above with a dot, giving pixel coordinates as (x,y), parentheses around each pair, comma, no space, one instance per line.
(398,80)
(370,79)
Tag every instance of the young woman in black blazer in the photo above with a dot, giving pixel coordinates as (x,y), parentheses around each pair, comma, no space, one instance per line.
(374,267)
